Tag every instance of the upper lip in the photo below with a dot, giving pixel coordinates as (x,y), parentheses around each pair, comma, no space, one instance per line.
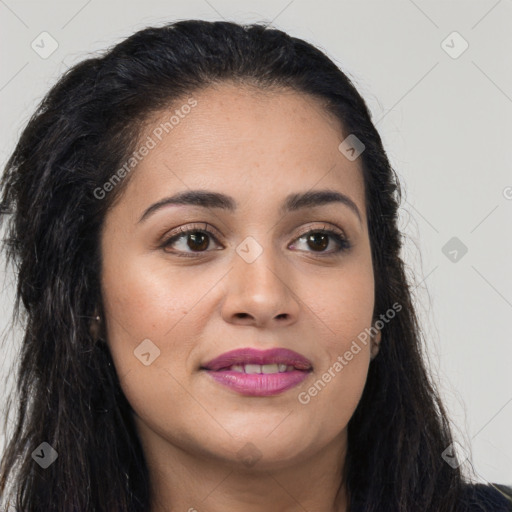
(254,356)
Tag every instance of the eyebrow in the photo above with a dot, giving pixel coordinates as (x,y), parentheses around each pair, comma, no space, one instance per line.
(293,202)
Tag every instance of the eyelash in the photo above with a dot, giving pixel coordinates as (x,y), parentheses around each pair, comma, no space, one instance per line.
(340,239)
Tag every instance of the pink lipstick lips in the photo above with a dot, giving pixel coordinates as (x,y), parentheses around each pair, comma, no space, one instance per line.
(259,372)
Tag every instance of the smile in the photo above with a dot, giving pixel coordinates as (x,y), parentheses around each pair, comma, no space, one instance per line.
(254,372)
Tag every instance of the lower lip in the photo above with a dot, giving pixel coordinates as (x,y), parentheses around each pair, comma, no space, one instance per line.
(259,384)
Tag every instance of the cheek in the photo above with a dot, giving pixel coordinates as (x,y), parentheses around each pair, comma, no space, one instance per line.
(343,308)
(145,297)
(150,332)
(329,401)
(343,305)
(144,300)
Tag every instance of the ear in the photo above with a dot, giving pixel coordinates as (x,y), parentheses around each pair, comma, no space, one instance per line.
(375,345)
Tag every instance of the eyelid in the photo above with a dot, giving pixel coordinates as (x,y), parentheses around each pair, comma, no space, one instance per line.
(327,227)
(194,226)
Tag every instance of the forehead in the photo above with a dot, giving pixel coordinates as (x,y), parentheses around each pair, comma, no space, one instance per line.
(246,142)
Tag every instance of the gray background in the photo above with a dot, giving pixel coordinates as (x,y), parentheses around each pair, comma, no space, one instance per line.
(445,119)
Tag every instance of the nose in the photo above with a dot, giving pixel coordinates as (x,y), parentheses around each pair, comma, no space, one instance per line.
(260,293)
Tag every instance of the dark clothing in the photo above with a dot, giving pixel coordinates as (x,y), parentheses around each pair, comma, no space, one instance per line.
(487,498)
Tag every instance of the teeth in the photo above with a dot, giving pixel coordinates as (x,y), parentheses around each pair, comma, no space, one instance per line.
(269,368)
(261,368)
(253,368)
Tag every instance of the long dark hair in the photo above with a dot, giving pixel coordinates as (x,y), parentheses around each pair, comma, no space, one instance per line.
(67,389)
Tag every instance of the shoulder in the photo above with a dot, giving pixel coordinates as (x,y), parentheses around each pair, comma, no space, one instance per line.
(487,498)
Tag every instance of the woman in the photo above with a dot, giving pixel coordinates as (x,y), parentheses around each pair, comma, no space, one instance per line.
(218,318)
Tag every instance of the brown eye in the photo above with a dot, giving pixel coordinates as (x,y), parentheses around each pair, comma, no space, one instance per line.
(188,242)
(198,241)
(318,241)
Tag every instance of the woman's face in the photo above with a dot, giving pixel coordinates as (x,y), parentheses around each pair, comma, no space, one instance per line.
(173,302)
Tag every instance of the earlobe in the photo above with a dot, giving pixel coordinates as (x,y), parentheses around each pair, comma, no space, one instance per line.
(95,326)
